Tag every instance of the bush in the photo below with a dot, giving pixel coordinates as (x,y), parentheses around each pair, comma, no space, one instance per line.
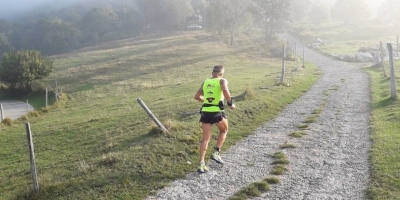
(19,69)
(8,122)
(33,114)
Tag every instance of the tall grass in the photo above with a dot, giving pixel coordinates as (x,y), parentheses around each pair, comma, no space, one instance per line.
(100,144)
(385,155)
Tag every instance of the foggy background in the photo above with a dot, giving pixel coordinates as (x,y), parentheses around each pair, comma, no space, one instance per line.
(13,8)
(56,26)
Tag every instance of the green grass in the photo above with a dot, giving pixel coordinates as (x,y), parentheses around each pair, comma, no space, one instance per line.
(280,162)
(303,126)
(385,155)
(347,38)
(278,170)
(311,119)
(287,145)
(253,190)
(98,143)
(272,180)
(257,188)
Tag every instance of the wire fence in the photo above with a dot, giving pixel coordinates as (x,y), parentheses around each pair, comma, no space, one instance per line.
(15,160)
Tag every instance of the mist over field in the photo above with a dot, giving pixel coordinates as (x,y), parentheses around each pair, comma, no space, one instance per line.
(55,26)
(13,8)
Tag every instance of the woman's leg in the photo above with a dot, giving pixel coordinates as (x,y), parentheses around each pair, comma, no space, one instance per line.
(206,139)
(223,131)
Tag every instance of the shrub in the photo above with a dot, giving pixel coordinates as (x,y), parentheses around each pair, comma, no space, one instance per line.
(7,121)
(33,114)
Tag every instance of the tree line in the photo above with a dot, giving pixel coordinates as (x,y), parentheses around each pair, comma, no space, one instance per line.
(77,26)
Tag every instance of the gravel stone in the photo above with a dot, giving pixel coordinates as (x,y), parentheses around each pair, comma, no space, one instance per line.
(330,162)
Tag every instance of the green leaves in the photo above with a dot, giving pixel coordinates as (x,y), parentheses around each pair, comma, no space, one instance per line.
(22,68)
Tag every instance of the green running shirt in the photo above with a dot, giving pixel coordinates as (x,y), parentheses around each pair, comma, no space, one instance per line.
(212,94)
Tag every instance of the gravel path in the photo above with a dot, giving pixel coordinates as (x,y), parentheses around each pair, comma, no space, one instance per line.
(331,162)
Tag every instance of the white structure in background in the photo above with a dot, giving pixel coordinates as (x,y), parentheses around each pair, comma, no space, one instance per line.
(15,109)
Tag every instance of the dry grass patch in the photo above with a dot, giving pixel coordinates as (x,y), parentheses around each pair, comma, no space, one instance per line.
(7,121)
(111,159)
(298,134)
(253,190)
(303,126)
(316,111)
(272,180)
(279,169)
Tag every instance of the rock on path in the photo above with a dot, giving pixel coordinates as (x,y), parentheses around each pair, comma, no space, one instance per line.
(331,162)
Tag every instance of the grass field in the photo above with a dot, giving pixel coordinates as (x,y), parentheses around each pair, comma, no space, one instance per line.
(98,143)
(385,127)
(347,38)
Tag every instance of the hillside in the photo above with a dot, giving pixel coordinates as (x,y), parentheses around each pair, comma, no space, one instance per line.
(99,143)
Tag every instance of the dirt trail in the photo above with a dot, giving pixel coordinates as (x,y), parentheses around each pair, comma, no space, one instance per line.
(331,162)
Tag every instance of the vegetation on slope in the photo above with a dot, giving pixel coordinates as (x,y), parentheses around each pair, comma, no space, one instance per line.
(102,145)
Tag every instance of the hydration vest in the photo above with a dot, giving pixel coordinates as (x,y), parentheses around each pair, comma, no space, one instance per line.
(213,96)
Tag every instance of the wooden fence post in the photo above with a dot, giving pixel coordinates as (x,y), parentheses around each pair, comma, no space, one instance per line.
(393,94)
(47,96)
(304,57)
(1,113)
(383,65)
(56,92)
(283,64)
(160,126)
(32,157)
(397,46)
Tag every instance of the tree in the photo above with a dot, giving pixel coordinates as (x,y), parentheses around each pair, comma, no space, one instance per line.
(62,37)
(389,12)
(176,11)
(5,26)
(318,14)
(54,35)
(22,68)
(300,10)
(233,16)
(164,14)
(4,43)
(351,11)
(100,20)
(275,15)
(129,19)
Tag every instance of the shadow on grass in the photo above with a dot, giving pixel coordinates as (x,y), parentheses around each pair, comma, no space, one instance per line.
(101,187)
(385,102)
(128,68)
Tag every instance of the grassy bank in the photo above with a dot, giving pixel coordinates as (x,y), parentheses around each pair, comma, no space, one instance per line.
(102,145)
(346,38)
(385,155)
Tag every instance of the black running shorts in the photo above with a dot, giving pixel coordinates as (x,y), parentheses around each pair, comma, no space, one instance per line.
(212,117)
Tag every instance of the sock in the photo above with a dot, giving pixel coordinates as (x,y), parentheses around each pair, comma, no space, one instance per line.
(217,149)
(202,163)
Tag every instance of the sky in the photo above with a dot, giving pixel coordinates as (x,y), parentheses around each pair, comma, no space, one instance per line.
(15,7)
